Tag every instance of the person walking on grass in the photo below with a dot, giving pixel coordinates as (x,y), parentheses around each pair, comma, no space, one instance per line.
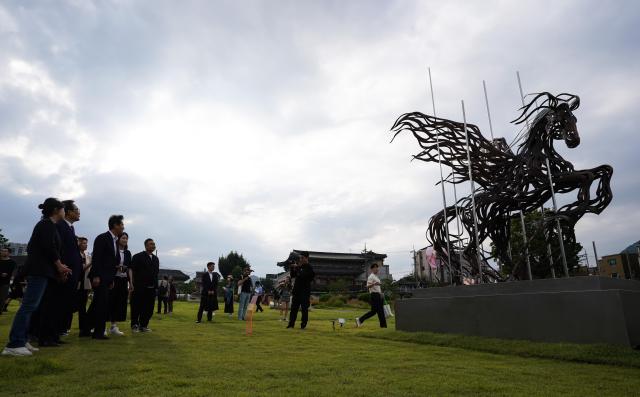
(228,296)
(377,300)
(208,293)
(43,266)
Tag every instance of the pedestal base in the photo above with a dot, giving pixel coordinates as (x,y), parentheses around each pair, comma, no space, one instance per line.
(576,310)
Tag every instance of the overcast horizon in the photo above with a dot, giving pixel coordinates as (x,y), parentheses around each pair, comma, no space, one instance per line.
(262,127)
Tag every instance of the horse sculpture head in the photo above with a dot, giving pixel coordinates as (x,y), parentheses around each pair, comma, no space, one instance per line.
(557,114)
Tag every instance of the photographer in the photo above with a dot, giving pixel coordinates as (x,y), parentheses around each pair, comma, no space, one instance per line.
(303,274)
(245,285)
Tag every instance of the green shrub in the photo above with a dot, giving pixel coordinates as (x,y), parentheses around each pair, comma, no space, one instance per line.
(365,297)
(325,297)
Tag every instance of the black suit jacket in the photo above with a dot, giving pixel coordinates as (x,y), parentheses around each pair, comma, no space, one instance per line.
(304,275)
(103,259)
(43,250)
(145,270)
(70,251)
(208,284)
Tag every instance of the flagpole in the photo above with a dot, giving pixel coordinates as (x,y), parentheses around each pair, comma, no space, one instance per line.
(473,196)
(444,197)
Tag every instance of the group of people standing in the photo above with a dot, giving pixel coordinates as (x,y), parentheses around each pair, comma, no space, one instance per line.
(60,276)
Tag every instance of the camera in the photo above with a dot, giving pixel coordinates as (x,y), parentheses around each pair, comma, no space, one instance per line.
(293,258)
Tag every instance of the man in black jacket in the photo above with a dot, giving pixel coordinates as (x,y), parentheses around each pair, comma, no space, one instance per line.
(144,273)
(301,293)
(209,292)
(69,296)
(104,261)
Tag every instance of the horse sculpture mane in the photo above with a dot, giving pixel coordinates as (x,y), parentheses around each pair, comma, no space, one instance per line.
(507,183)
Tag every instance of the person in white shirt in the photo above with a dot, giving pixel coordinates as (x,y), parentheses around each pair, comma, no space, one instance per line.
(377,301)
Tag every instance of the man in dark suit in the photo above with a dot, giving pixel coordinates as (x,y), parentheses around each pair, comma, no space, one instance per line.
(70,257)
(144,272)
(301,293)
(208,293)
(104,261)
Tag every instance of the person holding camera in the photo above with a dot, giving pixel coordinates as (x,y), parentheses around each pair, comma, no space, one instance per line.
(245,284)
(303,274)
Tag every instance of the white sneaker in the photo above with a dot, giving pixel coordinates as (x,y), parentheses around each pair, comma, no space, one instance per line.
(31,348)
(358,323)
(116,331)
(16,351)
(145,329)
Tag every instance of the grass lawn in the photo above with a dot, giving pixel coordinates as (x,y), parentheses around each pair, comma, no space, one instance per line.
(181,358)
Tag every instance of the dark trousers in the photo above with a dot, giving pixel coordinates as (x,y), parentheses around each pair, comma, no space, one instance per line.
(69,305)
(299,301)
(36,286)
(205,306)
(377,307)
(51,313)
(258,307)
(99,310)
(83,319)
(142,302)
(162,300)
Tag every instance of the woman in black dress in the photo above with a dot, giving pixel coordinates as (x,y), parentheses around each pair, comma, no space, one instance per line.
(43,266)
(118,296)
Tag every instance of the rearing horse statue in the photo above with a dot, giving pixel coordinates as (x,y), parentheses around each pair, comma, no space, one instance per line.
(507,183)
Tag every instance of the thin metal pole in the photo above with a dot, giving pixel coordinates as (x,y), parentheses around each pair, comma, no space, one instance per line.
(586,258)
(444,196)
(524,231)
(526,246)
(486,100)
(595,253)
(473,195)
(455,197)
(555,209)
(521,214)
(549,253)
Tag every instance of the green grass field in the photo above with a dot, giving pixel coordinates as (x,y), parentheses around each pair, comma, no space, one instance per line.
(181,358)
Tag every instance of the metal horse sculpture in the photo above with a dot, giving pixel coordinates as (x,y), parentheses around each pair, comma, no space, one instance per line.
(507,183)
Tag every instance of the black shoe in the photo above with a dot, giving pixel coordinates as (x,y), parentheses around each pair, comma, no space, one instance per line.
(84,334)
(59,342)
(100,337)
(48,344)
(289,326)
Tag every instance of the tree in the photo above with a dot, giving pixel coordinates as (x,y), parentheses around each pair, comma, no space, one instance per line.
(227,264)
(538,256)
(3,240)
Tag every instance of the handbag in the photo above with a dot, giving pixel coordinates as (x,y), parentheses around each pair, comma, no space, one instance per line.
(387,309)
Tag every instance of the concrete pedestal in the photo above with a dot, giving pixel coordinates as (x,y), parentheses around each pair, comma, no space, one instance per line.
(576,310)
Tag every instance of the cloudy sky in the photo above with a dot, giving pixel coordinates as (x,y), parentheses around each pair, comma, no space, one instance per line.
(263,126)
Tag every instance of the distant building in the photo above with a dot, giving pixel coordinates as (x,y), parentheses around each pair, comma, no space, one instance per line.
(18,249)
(626,264)
(352,268)
(178,275)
